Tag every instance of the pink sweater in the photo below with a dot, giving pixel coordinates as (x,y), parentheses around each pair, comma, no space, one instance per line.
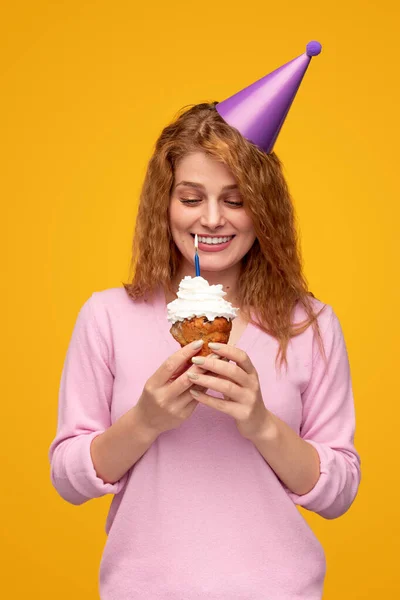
(202,515)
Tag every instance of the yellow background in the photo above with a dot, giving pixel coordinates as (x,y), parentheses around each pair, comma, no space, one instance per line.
(85,89)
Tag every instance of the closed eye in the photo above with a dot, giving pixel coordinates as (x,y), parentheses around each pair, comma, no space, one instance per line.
(189,200)
(196,200)
(234,203)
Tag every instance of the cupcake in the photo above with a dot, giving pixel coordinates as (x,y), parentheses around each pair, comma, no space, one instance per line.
(200,312)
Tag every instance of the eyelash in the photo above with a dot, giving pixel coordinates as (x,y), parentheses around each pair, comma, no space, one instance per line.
(195,200)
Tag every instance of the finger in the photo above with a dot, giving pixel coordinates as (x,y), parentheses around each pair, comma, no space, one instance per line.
(226,406)
(189,365)
(236,354)
(229,370)
(224,386)
(183,382)
(182,369)
(175,362)
(186,400)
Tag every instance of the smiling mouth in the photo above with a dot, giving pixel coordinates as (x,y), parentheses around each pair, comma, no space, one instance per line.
(213,240)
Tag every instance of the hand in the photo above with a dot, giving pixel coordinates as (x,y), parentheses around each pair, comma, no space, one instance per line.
(165,401)
(239,385)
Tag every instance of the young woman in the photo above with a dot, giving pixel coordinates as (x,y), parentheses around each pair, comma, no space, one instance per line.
(208,461)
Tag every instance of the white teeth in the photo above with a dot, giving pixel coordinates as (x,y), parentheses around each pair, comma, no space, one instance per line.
(209,240)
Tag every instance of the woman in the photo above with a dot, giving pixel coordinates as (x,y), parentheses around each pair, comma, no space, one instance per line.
(209,458)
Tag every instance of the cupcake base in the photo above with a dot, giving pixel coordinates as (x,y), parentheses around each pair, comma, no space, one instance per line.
(199,328)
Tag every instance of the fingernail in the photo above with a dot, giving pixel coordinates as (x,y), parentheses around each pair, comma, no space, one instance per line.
(198,360)
(192,376)
(214,346)
(194,393)
(197,343)
(213,356)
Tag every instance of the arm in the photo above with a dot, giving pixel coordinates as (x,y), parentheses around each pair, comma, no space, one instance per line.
(294,461)
(320,468)
(327,434)
(116,450)
(85,446)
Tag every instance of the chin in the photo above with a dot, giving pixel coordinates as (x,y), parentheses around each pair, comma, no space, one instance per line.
(214,268)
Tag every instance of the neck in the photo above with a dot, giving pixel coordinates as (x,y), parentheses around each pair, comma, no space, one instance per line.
(227,278)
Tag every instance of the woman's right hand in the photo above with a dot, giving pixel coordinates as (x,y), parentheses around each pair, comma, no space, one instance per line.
(165,401)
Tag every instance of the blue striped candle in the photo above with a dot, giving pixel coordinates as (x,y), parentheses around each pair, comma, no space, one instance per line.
(196,256)
(197,264)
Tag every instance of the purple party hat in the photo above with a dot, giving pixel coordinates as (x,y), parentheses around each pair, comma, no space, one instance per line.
(259,110)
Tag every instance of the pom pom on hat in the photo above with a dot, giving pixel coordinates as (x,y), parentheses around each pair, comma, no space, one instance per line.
(313,48)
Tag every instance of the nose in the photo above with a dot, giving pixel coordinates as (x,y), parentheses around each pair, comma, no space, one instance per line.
(212,216)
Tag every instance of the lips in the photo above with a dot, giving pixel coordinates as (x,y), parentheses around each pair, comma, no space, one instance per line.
(217,244)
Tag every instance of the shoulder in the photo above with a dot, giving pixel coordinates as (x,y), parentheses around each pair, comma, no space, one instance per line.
(329,329)
(332,341)
(117,298)
(111,316)
(115,304)
(325,314)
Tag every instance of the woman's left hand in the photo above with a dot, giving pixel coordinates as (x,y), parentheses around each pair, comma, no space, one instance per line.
(239,385)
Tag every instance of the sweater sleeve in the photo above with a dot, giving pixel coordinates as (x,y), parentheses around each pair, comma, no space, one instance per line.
(328,424)
(83,412)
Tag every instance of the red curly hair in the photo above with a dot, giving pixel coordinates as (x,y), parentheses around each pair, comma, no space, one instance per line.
(271,282)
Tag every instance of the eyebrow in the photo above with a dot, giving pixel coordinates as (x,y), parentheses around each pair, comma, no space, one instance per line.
(194,184)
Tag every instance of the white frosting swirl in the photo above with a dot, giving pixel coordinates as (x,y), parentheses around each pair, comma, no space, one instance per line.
(196,298)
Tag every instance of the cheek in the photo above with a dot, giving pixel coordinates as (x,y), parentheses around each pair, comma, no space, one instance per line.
(245,225)
(178,225)
(175,224)
(246,228)
(178,217)
(173,216)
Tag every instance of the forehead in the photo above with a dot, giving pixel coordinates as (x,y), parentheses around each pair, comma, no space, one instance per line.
(204,169)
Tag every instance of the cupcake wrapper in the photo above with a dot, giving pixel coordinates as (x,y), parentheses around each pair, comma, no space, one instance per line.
(199,328)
